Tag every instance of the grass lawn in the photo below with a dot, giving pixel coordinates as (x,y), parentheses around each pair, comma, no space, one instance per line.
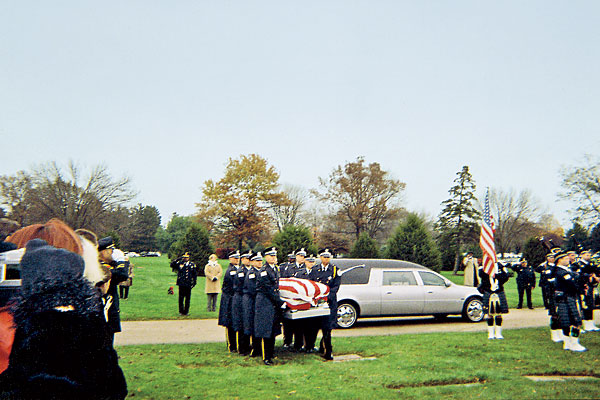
(148,299)
(406,366)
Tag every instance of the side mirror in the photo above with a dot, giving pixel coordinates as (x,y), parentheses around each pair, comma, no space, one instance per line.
(448,283)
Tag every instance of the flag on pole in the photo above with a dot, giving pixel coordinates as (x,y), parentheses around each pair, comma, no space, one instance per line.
(486,240)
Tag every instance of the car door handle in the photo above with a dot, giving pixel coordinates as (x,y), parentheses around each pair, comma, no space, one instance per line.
(430,291)
(388,292)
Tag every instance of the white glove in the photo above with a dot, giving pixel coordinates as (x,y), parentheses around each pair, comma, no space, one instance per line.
(118,255)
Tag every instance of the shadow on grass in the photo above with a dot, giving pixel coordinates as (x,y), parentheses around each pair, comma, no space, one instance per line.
(443,382)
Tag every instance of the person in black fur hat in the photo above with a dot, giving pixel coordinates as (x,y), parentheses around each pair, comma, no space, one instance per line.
(62,347)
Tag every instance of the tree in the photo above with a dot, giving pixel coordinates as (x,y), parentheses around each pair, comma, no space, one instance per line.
(365,247)
(594,239)
(363,196)
(287,211)
(292,238)
(176,229)
(142,228)
(582,185)
(49,192)
(237,205)
(458,220)
(516,217)
(534,251)
(576,236)
(196,242)
(412,242)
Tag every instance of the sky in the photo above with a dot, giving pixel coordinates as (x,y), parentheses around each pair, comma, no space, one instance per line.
(165,92)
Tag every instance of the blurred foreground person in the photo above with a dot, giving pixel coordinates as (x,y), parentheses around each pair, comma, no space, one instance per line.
(62,346)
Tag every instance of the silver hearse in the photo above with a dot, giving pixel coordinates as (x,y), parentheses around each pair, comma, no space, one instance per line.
(400,288)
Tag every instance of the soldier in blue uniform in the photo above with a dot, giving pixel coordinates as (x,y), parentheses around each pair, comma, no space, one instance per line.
(328,274)
(119,273)
(249,300)
(237,309)
(298,325)
(226,300)
(187,274)
(525,281)
(287,270)
(590,277)
(308,326)
(268,306)
(567,286)
(498,306)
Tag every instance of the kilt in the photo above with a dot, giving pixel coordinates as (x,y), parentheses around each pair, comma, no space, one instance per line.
(501,297)
(267,322)
(248,306)
(237,312)
(568,312)
(549,302)
(225,310)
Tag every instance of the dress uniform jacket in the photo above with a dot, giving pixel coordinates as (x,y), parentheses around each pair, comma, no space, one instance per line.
(237,310)
(249,300)
(525,275)
(485,288)
(187,274)
(287,270)
(566,293)
(304,273)
(587,270)
(268,303)
(329,276)
(227,296)
(547,280)
(120,273)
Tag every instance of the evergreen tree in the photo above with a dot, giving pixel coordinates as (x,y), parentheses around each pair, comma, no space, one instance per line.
(576,236)
(459,218)
(365,247)
(594,241)
(176,229)
(534,252)
(412,242)
(196,242)
(292,238)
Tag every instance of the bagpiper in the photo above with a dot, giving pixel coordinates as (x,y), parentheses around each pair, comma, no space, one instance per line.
(547,281)
(590,277)
(566,291)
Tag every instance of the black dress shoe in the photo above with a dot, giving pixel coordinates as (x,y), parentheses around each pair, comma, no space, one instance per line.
(268,362)
(328,357)
(254,355)
(244,354)
(310,351)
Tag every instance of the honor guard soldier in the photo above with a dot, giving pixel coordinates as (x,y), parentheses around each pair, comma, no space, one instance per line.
(249,301)
(187,274)
(269,306)
(328,274)
(119,273)
(566,293)
(590,277)
(494,299)
(299,325)
(287,270)
(525,281)
(237,308)
(309,326)
(226,300)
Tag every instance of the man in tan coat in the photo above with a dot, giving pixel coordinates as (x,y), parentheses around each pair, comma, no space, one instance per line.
(213,272)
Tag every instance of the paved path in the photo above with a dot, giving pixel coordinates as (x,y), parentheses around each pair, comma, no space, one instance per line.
(207,330)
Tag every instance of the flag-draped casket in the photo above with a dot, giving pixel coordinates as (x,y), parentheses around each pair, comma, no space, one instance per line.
(303,297)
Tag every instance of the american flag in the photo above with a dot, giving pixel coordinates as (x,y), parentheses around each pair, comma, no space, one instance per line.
(486,240)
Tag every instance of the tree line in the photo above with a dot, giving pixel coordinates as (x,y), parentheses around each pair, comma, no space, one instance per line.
(356,211)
